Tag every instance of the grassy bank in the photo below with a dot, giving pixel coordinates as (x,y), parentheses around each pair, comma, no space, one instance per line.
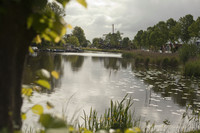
(152,58)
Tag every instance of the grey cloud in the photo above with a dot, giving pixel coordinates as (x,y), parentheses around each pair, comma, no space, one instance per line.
(129,16)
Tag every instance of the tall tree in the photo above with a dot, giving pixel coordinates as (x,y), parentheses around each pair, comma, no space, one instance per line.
(126,43)
(171,25)
(95,42)
(73,40)
(138,39)
(20,22)
(163,31)
(113,40)
(79,33)
(185,23)
(194,29)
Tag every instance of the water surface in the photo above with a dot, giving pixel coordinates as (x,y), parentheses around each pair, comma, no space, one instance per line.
(92,79)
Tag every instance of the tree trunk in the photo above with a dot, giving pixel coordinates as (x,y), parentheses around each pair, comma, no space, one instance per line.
(14,42)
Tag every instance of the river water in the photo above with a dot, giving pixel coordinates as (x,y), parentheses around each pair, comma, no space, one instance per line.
(92,79)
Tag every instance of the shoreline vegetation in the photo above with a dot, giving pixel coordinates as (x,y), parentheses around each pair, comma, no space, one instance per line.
(117,118)
(187,58)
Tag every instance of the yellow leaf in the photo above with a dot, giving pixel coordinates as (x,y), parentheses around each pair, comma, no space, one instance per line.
(82,2)
(23,116)
(69,26)
(38,39)
(46,37)
(27,91)
(29,22)
(57,39)
(55,74)
(31,50)
(49,105)
(37,109)
(43,83)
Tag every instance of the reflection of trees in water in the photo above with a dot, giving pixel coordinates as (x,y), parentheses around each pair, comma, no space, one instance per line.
(46,61)
(76,61)
(109,63)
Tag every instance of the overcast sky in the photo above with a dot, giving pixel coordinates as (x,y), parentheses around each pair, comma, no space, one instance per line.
(129,16)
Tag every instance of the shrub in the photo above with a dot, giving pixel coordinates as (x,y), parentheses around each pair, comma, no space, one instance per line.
(165,62)
(188,51)
(173,62)
(192,68)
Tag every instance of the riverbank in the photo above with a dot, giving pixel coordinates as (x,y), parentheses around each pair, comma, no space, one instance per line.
(103,50)
(152,58)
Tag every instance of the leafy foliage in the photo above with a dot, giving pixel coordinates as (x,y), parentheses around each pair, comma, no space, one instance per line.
(171,31)
(79,33)
(188,51)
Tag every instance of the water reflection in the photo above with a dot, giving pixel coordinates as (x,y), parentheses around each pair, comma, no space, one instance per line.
(75,60)
(94,79)
(47,61)
(167,83)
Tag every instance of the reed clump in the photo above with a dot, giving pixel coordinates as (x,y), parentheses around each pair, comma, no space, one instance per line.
(117,116)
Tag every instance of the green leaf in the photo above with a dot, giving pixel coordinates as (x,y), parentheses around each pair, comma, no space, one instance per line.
(69,26)
(48,121)
(55,74)
(63,2)
(43,83)
(23,116)
(31,50)
(82,2)
(37,109)
(29,22)
(38,39)
(27,91)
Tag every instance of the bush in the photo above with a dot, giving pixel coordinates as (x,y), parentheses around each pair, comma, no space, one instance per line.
(192,68)
(173,62)
(165,62)
(188,51)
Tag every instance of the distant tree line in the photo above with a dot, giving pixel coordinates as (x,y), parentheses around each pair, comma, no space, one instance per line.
(113,41)
(185,30)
